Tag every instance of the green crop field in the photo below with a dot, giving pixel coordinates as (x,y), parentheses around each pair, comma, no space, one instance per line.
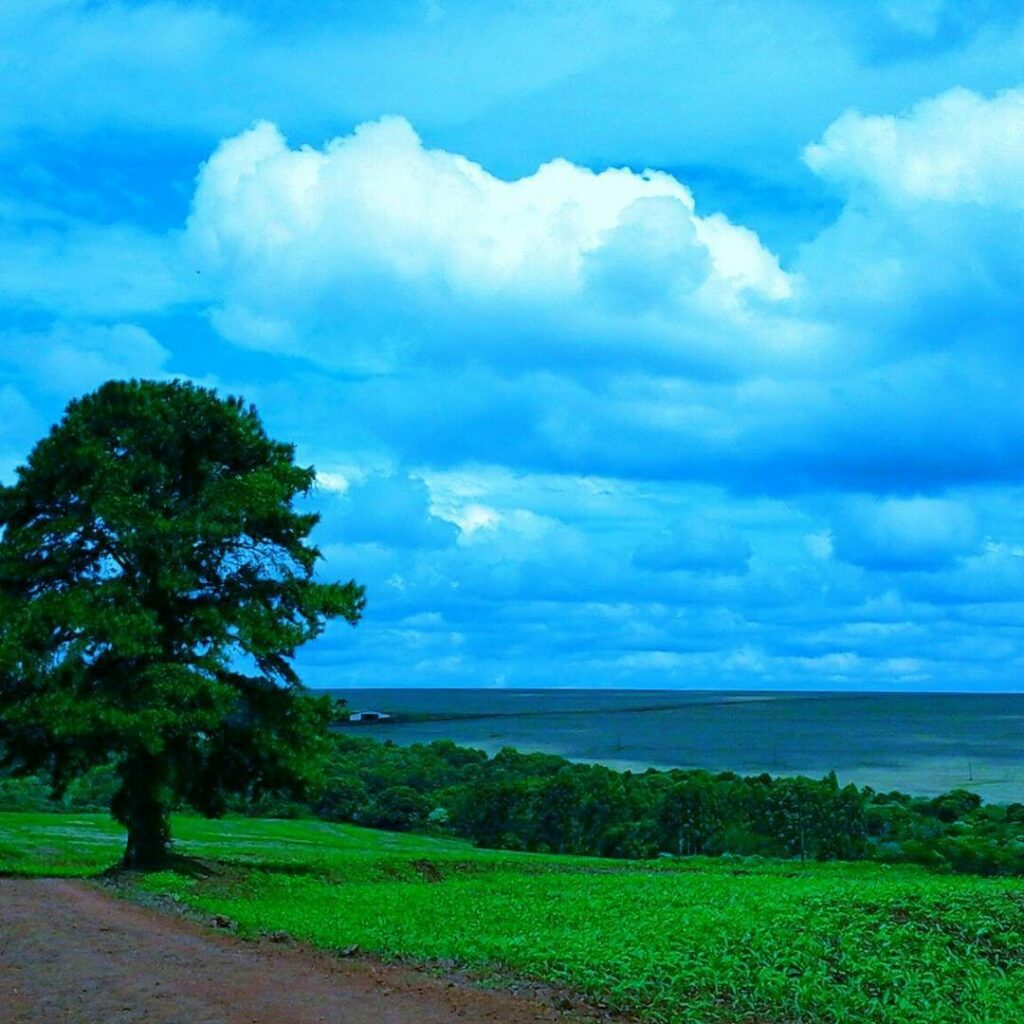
(693,941)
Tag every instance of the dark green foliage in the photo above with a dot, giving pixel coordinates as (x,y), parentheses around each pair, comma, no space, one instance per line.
(954,805)
(689,815)
(397,808)
(546,804)
(342,798)
(155,583)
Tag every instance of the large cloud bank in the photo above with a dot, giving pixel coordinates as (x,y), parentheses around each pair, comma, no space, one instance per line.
(821,451)
(578,427)
(375,255)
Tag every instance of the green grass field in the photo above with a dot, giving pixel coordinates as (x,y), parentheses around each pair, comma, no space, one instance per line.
(693,941)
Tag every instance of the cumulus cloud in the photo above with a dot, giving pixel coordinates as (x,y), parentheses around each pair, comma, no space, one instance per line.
(954,148)
(568,323)
(553,597)
(376,246)
(598,322)
(928,249)
(901,534)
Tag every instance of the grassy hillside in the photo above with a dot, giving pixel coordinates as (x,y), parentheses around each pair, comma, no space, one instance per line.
(698,940)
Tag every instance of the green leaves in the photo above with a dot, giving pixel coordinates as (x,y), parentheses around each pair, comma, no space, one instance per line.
(150,547)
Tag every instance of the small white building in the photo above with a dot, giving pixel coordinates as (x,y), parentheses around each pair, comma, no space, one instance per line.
(369,716)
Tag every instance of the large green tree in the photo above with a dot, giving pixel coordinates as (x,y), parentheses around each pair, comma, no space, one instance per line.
(156,580)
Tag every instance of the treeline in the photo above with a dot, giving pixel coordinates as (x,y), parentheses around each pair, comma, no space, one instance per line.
(544,803)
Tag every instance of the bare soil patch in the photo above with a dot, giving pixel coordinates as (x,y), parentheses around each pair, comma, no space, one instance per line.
(71,953)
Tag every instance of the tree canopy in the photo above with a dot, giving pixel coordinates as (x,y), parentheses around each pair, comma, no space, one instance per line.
(156,580)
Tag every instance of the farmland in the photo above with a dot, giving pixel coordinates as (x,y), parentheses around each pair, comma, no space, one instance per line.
(696,940)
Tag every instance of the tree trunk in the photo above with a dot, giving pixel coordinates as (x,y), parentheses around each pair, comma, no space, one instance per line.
(140,806)
(149,833)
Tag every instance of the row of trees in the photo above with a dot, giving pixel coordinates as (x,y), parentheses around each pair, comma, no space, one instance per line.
(514,802)
(543,803)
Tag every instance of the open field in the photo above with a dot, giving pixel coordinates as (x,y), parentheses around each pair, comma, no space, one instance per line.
(698,940)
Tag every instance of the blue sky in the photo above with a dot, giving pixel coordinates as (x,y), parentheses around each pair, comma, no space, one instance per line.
(653,344)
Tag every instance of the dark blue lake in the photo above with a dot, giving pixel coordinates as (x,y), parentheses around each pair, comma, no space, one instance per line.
(919,743)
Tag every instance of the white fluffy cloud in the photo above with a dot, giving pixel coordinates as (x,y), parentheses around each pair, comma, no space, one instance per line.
(954,148)
(599,322)
(927,252)
(354,252)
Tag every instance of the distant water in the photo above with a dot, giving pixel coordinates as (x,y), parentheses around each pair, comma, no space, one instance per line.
(918,743)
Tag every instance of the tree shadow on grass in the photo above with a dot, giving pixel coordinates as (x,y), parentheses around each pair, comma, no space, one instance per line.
(209,869)
(189,867)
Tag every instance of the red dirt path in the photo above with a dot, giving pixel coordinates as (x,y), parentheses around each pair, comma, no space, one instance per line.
(72,954)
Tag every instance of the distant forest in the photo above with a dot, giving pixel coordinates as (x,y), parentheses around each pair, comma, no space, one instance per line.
(544,803)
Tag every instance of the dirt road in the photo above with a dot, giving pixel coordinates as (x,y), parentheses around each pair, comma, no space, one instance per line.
(72,954)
